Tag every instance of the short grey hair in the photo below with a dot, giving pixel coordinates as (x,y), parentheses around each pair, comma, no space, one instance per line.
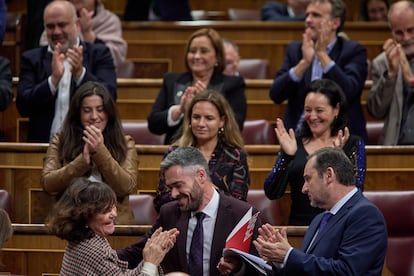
(186,157)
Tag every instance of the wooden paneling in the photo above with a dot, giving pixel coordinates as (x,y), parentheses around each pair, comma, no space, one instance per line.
(256,39)
(388,168)
(118,6)
(31,251)
(136,97)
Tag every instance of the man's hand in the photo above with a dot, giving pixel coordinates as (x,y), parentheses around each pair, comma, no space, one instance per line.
(308,46)
(323,41)
(272,244)
(229,264)
(75,59)
(393,57)
(58,68)
(85,20)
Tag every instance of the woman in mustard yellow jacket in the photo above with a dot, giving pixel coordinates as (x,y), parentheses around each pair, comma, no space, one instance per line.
(92,143)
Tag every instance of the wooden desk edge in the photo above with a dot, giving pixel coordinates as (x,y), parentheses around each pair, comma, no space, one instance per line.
(126,230)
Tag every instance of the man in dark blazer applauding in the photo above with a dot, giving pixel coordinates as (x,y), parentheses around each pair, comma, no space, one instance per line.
(322,53)
(186,175)
(50,75)
(349,238)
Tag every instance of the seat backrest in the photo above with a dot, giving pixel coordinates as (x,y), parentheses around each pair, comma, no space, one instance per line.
(243,14)
(269,209)
(398,210)
(143,208)
(141,134)
(126,70)
(253,68)
(5,202)
(257,132)
(374,129)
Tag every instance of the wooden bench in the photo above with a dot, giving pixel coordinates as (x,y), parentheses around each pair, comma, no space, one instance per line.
(256,39)
(32,251)
(388,168)
(211,7)
(136,97)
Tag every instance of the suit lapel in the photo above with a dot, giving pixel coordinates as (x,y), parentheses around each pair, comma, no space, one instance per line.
(47,62)
(333,221)
(182,226)
(222,229)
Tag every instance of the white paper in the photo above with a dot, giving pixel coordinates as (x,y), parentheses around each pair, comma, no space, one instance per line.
(258,263)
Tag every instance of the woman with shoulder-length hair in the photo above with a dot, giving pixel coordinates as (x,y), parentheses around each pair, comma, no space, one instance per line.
(92,144)
(205,61)
(210,126)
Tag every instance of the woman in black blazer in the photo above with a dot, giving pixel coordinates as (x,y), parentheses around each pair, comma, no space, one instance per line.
(205,62)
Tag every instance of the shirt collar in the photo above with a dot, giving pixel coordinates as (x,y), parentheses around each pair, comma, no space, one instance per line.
(342,202)
(290,12)
(331,45)
(212,207)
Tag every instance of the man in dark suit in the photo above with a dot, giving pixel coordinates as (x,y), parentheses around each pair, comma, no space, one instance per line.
(50,75)
(186,174)
(322,54)
(350,238)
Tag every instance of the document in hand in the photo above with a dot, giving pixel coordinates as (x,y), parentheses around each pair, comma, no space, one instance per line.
(257,263)
(241,236)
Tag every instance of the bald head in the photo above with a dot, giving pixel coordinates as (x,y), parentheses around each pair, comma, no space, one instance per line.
(61,24)
(60,6)
(401,21)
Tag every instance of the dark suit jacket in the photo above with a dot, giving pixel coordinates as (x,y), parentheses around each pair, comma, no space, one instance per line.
(273,11)
(349,72)
(34,98)
(230,211)
(174,84)
(353,242)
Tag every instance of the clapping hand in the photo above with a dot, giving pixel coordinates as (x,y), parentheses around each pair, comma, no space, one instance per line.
(341,139)
(75,58)
(272,244)
(287,140)
(159,244)
(93,138)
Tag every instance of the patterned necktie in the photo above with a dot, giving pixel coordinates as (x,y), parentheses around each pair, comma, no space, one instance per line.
(195,260)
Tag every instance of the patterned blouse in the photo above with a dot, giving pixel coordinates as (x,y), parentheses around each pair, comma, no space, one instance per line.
(229,171)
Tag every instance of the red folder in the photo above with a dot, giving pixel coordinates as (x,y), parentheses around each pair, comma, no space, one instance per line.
(241,236)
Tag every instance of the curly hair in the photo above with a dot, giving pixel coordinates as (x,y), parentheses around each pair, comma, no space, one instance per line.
(80,202)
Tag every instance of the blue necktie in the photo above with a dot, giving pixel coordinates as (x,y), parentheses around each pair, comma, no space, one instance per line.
(195,260)
(326,217)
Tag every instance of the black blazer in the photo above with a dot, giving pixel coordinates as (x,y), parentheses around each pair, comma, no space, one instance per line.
(174,84)
(34,98)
